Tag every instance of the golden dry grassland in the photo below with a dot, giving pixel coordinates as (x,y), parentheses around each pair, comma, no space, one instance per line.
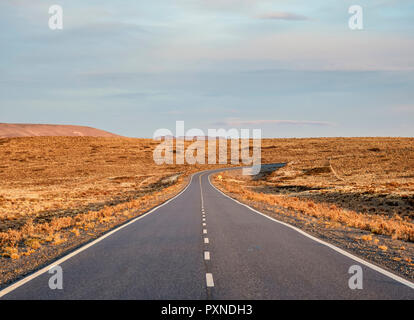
(55,189)
(366,183)
(52,187)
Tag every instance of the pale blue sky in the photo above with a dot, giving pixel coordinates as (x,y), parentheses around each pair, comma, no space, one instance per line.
(292,68)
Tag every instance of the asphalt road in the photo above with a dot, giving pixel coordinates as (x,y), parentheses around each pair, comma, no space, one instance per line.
(166,255)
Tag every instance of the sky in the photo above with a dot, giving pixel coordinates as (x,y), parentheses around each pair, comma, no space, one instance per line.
(291,68)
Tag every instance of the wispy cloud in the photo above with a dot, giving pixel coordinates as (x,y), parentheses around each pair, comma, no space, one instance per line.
(239,123)
(282,16)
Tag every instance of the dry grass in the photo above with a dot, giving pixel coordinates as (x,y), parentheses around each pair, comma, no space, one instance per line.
(376,164)
(30,237)
(364,183)
(40,176)
(395,227)
(53,188)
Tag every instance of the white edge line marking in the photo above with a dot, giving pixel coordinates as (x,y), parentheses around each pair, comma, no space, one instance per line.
(209,280)
(343,252)
(19,283)
(206,255)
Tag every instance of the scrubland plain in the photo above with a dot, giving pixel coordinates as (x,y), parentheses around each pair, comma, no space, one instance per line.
(361,189)
(59,192)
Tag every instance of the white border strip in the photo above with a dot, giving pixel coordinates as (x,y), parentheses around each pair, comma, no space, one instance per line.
(19,283)
(343,252)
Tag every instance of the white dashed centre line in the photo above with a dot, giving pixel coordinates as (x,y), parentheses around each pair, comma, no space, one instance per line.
(209,276)
(209,280)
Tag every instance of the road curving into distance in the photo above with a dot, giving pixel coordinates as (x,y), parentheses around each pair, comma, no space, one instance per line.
(204,245)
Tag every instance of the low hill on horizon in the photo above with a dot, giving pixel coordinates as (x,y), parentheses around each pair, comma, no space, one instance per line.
(13,130)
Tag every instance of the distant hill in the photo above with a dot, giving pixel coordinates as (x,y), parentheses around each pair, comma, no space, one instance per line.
(11,130)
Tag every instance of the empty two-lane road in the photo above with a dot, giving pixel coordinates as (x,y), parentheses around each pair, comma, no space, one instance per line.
(204,245)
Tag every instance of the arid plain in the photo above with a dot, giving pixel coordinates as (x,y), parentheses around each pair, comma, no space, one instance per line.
(59,192)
